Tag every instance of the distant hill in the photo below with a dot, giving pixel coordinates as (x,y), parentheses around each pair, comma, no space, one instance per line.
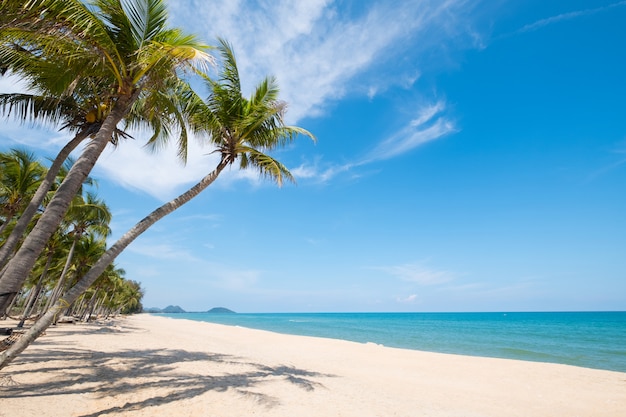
(168,309)
(173,309)
(220,310)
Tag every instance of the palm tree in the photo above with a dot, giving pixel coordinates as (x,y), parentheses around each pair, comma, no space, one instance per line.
(45,110)
(43,269)
(126,43)
(128,300)
(241,129)
(20,174)
(88,250)
(87,215)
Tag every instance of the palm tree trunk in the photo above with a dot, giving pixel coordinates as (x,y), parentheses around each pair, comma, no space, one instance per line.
(88,306)
(7,221)
(105,260)
(29,299)
(11,305)
(37,290)
(56,293)
(27,215)
(21,264)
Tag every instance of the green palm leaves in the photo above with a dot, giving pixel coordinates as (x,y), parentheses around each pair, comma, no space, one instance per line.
(103,58)
(244,129)
(112,61)
(20,175)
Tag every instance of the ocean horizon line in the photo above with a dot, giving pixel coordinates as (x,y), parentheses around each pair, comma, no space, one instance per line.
(405,312)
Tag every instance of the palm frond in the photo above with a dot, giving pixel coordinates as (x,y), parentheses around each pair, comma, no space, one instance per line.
(267,166)
(147,18)
(31,108)
(67,28)
(229,76)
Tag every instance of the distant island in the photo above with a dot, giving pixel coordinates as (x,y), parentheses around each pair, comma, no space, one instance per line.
(220,310)
(168,309)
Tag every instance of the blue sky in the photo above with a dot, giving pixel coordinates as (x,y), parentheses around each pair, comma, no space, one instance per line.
(471,156)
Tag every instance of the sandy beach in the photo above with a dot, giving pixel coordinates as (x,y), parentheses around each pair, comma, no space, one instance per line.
(153,366)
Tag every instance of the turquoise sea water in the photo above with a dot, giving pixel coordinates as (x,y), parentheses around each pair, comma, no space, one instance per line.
(588,339)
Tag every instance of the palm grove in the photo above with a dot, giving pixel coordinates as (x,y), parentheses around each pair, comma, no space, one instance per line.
(99,70)
(78,242)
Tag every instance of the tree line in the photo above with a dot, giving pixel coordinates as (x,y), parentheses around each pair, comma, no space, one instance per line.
(78,242)
(100,70)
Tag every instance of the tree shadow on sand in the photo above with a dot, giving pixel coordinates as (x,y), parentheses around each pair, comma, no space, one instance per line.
(154,377)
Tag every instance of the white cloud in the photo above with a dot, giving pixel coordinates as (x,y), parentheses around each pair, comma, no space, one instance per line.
(315,48)
(10,83)
(159,174)
(407,300)
(18,132)
(426,127)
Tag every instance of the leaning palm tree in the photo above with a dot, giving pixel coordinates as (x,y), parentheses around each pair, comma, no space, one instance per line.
(241,129)
(126,43)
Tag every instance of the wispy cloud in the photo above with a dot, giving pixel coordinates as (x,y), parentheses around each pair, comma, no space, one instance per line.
(161,251)
(316,48)
(196,270)
(418,273)
(620,151)
(567,16)
(407,300)
(429,124)
(504,289)
(320,51)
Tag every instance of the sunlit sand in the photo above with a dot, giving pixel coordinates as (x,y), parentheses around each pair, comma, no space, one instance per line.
(153,366)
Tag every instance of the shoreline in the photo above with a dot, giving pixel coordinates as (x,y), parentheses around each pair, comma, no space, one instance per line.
(147,365)
(552,339)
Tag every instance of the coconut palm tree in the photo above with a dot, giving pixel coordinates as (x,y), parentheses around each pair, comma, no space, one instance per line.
(126,43)
(87,215)
(88,250)
(52,179)
(20,175)
(242,130)
(44,266)
(128,300)
(46,110)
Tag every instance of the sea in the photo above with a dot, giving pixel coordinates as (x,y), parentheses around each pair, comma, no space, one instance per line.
(588,339)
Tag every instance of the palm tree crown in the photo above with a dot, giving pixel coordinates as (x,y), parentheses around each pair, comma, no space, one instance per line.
(244,128)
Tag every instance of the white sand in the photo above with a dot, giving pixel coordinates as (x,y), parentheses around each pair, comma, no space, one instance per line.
(153,366)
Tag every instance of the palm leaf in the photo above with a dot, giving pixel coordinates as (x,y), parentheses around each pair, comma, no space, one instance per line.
(267,166)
